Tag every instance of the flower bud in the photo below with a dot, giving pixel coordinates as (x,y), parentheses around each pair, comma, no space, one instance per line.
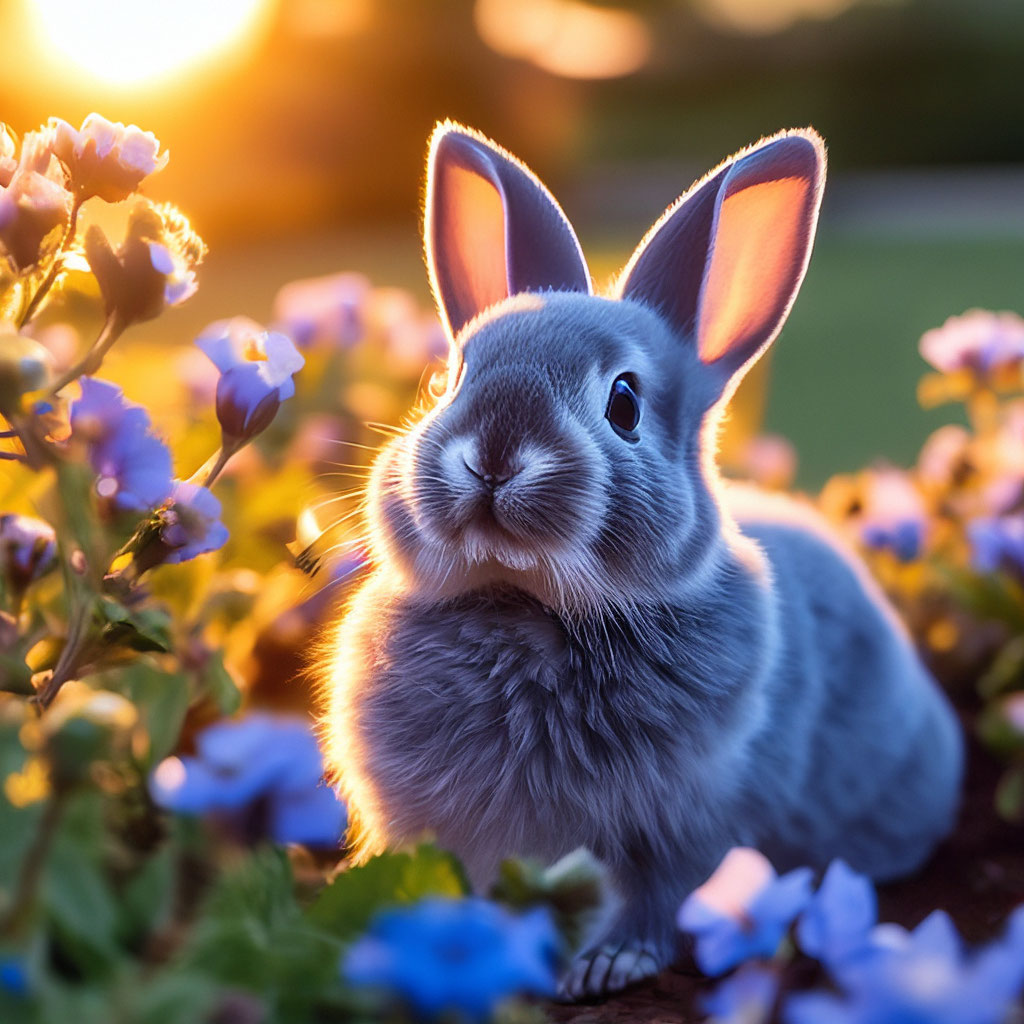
(27,549)
(24,368)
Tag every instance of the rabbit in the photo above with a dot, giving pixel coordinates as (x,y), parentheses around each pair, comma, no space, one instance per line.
(573,632)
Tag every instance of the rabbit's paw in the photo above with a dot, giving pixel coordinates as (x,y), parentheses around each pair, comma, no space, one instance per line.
(600,972)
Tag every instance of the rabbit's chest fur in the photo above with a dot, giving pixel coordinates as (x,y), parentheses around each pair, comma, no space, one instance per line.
(501,729)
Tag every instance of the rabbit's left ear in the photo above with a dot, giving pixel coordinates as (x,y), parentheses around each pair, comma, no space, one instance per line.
(725,262)
(491,229)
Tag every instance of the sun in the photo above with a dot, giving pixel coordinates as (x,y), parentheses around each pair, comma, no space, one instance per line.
(146,43)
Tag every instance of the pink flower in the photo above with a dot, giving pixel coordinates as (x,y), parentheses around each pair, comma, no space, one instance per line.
(33,200)
(8,163)
(105,158)
(978,340)
(893,515)
(328,311)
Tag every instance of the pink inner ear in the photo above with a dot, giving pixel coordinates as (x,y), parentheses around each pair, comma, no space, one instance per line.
(474,219)
(755,265)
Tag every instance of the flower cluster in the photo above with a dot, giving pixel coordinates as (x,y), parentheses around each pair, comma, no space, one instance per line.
(880,972)
(266,761)
(465,956)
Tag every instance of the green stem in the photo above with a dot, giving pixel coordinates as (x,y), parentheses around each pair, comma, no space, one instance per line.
(93,359)
(211,468)
(55,266)
(78,629)
(32,865)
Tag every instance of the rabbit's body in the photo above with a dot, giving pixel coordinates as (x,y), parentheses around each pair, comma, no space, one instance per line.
(571,640)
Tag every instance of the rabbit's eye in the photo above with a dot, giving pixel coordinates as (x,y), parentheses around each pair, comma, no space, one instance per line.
(623,411)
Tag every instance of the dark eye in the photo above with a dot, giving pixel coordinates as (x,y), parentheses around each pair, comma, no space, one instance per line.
(623,410)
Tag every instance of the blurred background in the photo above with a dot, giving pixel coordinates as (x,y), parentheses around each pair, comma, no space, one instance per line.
(297,133)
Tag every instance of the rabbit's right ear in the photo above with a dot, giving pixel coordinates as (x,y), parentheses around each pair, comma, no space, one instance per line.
(725,262)
(491,229)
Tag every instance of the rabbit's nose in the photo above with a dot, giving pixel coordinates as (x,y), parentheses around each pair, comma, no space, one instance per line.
(492,480)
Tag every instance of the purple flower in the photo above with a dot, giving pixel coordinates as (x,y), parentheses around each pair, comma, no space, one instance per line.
(324,311)
(191,524)
(27,549)
(261,759)
(923,977)
(837,923)
(105,158)
(464,956)
(747,997)
(256,374)
(978,340)
(997,543)
(133,467)
(742,911)
(893,516)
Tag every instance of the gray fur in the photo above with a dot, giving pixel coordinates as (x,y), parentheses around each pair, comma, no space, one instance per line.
(614,650)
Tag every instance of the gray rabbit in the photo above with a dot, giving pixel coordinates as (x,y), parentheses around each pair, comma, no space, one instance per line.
(574,632)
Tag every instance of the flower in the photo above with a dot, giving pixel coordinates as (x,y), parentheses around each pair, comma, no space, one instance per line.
(133,466)
(742,910)
(328,311)
(27,549)
(191,524)
(456,955)
(14,977)
(104,158)
(33,201)
(769,460)
(256,374)
(997,543)
(977,340)
(747,997)
(923,977)
(261,758)
(153,267)
(837,922)
(8,163)
(893,514)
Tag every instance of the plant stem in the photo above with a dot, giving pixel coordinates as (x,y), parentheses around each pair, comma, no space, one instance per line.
(32,865)
(93,359)
(211,468)
(78,628)
(54,271)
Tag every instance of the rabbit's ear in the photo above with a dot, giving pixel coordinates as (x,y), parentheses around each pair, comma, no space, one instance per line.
(726,260)
(491,228)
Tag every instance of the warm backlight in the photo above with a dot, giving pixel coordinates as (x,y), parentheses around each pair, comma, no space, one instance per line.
(146,42)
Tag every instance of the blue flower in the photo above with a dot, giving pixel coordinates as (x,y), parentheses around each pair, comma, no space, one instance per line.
(456,955)
(997,543)
(893,515)
(133,467)
(747,997)
(922,977)
(261,758)
(256,374)
(27,548)
(743,910)
(191,524)
(837,923)
(14,976)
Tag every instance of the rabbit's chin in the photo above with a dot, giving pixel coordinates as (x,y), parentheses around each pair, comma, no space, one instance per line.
(482,548)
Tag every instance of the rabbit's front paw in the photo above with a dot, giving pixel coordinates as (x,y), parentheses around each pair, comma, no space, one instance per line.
(608,969)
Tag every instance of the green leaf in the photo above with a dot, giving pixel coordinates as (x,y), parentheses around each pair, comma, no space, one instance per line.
(1010,795)
(76,894)
(345,907)
(576,889)
(220,685)
(162,699)
(146,900)
(1006,670)
(15,675)
(145,629)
